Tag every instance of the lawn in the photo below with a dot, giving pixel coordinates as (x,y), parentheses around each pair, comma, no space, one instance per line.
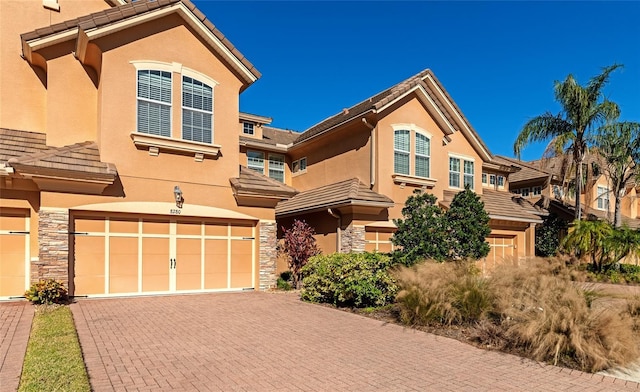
(53,361)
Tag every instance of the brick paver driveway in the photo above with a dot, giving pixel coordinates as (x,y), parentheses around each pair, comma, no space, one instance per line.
(264,342)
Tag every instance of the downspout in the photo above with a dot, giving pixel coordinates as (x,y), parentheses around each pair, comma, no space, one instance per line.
(338,231)
(372,153)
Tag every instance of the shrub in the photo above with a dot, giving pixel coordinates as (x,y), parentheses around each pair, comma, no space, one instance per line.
(284,281)
(442,293)
(548,235)
(467,225)
(47,292)
(349,279)
(299,246)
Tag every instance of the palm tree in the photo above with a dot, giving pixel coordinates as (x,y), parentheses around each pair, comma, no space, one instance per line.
(618,144)
(583,109)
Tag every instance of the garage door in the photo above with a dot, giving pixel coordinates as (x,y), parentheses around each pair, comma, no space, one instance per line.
(501,248)
(377,239)
(128,255)
(14,253)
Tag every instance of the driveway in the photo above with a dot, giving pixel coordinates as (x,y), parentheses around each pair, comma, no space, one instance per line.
(271,341)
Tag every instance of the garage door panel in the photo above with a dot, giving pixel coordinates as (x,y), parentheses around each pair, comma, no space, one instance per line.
(123,265)
(384,247)
(215,264)
(189,228)
(155,264)
(89,225)
(188,264)
(155,227)
(241,261)
(216,229)
(12,258)
(242,230)
(123,225)
(89,265)
(13,222)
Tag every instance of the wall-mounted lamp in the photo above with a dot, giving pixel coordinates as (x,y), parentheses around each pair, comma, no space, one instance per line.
(177,193)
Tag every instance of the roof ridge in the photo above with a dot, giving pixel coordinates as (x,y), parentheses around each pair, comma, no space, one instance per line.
(523,163)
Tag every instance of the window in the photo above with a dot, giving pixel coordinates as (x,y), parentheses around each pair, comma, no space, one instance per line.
(255,161)
(401,150)
(423,147)
(536,190)
(492,179)
(154,102)
(299,165)
(603,198)
(484,178)
(276,167)
(501,181)
(247,128)
(517,191)
(197,111)
(454,172)
(524,192)
(468,174)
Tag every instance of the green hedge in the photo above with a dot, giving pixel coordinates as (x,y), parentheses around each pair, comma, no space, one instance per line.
(349,279)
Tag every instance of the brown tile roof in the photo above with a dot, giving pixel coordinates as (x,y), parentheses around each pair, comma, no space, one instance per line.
(15,143)
(80,158)
(503,205)
(554,165)
(527,172)
(133,9)
(592,213)
(343,193)
(389,95)
(252,183)
(279,136)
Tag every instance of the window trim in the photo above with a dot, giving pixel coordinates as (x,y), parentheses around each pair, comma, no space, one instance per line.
(169,104)
(411,177)
(262,159)
(284,163)
(406,153)
(603,198)
(296,169)
(183,107)
(461,173)
(244,128)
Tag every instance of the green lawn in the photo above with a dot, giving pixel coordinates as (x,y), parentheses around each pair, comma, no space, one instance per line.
(53,361)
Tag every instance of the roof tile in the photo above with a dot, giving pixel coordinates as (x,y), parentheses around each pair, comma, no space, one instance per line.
(250,182)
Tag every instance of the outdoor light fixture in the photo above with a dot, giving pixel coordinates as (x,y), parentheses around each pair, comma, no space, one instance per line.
(177,193)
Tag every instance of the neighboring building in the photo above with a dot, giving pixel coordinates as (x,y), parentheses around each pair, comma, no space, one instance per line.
(548,183)
(125,169)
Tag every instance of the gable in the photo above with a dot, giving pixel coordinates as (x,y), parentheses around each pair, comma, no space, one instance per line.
(84,31)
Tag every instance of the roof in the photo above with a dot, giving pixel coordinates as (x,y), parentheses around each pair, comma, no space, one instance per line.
(339,194)
(15,143)
(79,157)
(554,165)
(382,99)
(592,213)
(252,183)
(132,10)
(504,205)
(527,172)
(279,136)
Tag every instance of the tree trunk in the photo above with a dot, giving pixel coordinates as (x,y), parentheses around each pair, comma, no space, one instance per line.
(617,216)
(578,156)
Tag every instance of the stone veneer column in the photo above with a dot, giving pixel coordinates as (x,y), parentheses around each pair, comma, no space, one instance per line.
(268,254)
(53,240)
(352,239)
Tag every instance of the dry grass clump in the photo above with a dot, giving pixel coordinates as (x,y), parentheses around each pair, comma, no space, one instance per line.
(450,293)
(535,309)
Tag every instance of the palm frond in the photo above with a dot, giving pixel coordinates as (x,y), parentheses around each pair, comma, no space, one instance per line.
(595,85)
(539,129)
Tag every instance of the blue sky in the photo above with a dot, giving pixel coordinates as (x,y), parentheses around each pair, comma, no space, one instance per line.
(498,60)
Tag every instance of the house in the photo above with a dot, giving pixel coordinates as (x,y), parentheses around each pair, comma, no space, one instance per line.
(128,170)
(548,184)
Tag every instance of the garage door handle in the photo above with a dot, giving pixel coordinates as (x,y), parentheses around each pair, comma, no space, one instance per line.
(172,263)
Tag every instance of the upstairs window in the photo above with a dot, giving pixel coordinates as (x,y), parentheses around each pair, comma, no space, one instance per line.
(276,167)
(603,198)
(299,165)
(423,152)
(454,172)
(154,102)
(524,192)
(197,111)
(247,128)
(484,178)
(501,181)
(536,190)
(468,174)
(255,161)
(401,151)
(492,179)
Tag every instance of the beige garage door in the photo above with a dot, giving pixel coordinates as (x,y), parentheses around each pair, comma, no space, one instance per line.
(14,253)
(502,248)
(377,239)
(129,255)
